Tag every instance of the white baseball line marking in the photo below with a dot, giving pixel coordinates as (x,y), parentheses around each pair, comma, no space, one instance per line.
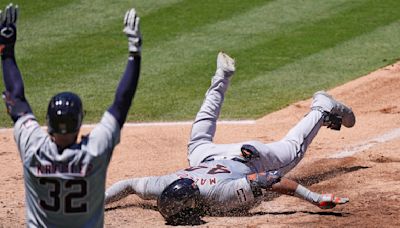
(361,147)
(157,124)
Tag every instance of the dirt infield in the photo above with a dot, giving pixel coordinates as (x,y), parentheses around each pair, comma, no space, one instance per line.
(362,163)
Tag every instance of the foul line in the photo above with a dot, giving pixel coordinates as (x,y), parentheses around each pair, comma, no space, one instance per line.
(393,134)
(158,124)
(361,147)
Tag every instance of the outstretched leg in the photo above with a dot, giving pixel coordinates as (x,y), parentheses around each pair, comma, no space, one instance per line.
(204,126)
(285,154)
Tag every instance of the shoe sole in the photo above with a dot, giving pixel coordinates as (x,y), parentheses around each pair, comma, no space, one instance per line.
(226,62)
(348,117)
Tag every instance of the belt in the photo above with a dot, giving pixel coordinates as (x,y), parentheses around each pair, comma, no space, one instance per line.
(233,159)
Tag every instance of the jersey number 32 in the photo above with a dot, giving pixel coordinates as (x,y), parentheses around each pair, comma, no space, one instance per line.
(74,189)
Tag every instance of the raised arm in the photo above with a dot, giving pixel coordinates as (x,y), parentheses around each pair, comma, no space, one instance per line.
(128,84)
(14,96)
(273,182)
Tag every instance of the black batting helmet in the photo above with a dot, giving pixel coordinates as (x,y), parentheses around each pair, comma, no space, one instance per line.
(64,113)
(178,199)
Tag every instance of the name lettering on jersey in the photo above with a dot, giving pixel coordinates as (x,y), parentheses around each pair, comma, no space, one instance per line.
(213,181)
(29,122)
(204,181)
(82,169)
(214,170)
(241,195)
(199,181)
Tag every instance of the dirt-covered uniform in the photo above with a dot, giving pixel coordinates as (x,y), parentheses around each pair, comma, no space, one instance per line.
(223,185)
(220,170)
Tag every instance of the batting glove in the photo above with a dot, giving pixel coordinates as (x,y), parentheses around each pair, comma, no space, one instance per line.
(323,201)
(264,180)
(328,201)
(8,30)
(132,30)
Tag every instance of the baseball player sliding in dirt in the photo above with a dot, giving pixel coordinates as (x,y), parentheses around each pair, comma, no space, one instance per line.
(226,177)
(64,178)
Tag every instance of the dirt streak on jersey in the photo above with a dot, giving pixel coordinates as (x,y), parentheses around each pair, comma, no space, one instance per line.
(223,185)
(67,189)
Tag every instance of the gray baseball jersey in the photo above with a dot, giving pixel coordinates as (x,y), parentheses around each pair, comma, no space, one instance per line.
(220,170)
(223,185)
(67,189)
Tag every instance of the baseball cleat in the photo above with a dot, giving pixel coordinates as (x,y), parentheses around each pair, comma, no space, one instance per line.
(226,64)
(336,112)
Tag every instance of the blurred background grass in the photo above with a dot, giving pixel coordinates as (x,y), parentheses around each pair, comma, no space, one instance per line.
(285,50)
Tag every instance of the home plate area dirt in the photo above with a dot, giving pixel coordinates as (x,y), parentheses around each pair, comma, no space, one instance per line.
(362,163)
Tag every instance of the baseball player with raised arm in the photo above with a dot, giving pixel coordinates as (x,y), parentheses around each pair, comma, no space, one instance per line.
(226,177)
(64,178)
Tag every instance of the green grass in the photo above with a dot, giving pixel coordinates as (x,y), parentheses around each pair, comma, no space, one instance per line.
(284,49)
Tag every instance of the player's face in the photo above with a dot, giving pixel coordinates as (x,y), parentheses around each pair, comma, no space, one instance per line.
(64,140)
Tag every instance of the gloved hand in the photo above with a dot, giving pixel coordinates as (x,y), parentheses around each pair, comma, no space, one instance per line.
(132,30)
(264,180)
(323,201)
(328,201)
(8,30)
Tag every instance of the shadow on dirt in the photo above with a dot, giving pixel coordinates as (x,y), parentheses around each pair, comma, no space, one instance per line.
(244,213)
(147,206)
(189,222)
(314,179)
(323,213)
(193,219)
(306,181)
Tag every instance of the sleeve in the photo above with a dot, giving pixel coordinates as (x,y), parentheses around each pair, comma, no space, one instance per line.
(14,96)
(126,90)
(28,135)
(105,136)
(147,188)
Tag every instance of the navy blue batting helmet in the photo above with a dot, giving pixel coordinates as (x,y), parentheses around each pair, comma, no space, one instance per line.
(64,113)
(178,198)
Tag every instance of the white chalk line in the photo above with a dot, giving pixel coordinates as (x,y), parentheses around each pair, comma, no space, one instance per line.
(158,124)
(361,147)
(179,123)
